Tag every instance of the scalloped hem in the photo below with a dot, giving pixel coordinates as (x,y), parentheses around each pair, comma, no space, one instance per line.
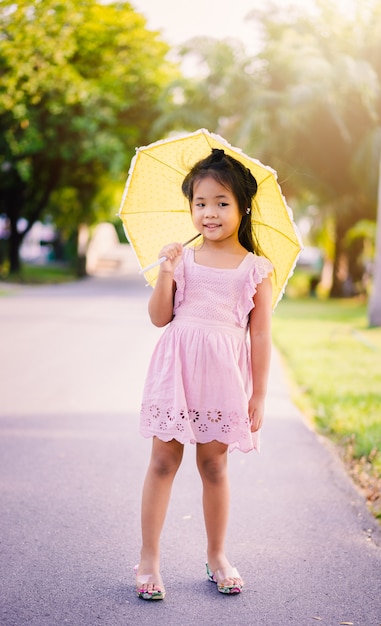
(232,445)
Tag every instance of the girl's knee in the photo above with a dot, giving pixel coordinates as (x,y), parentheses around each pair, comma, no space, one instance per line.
(166,458)
(164,466)
(212,469)
(212,461)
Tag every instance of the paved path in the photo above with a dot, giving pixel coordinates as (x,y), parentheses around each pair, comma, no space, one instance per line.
(73,360)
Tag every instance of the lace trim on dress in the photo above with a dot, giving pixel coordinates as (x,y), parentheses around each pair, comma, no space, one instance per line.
(191,424)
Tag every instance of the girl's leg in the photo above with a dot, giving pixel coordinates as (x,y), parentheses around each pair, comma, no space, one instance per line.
(165,461)
(212,465)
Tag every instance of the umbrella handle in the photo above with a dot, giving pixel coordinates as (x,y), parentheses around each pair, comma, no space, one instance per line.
(154,264)
(164,258)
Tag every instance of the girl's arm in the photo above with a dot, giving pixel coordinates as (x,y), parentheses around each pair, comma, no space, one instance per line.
(260,339)
(160,306)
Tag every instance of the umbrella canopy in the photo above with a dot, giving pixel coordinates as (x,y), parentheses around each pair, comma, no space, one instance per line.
(155,212)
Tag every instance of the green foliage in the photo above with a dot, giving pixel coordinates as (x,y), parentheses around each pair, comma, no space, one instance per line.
(43,275)
(79,87)
(308,104)
(334,357)
(323,86)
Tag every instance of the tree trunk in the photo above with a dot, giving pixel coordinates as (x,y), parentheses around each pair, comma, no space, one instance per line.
(374,312)
(14,252)
(16,208)
(15,238)
(340,263)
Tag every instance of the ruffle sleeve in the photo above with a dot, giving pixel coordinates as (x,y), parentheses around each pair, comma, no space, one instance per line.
(179,278)
(260,268)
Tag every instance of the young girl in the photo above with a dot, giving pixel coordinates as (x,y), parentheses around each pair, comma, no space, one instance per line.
(206,383)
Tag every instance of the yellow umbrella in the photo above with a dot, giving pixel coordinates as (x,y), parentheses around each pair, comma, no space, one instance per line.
(155,212)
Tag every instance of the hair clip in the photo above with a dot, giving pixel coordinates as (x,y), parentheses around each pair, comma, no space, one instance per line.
(248,210)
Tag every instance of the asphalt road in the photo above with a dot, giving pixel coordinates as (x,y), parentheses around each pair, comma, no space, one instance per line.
(73,361)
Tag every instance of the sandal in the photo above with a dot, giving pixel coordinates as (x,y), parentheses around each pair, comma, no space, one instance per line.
(222,575)
(143,580)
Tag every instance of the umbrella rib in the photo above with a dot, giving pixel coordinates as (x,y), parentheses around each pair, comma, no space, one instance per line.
(143,212)
(151,156)
(280,232)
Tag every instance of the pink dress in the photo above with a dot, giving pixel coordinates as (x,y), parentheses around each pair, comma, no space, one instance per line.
(199,380)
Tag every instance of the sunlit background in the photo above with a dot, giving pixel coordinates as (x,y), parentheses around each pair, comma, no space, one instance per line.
(217,19)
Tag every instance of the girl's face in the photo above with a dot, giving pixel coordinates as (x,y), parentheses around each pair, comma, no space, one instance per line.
(215,211)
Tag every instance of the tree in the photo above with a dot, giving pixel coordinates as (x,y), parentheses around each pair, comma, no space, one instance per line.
(323,75)
(209,97)
(308,104)
(375,300)
(79,88)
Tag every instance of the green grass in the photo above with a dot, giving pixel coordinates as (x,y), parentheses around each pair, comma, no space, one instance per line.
(42,275)
(335,360)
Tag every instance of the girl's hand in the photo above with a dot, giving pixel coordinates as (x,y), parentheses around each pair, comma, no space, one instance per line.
(173,252)
(256,413)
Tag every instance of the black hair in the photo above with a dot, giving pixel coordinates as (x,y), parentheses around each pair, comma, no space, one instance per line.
(233,175)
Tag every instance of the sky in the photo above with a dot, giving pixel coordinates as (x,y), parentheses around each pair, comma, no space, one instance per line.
(215,18)
(180,21)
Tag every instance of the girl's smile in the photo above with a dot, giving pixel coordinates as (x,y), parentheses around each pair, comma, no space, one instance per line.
(215,211)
